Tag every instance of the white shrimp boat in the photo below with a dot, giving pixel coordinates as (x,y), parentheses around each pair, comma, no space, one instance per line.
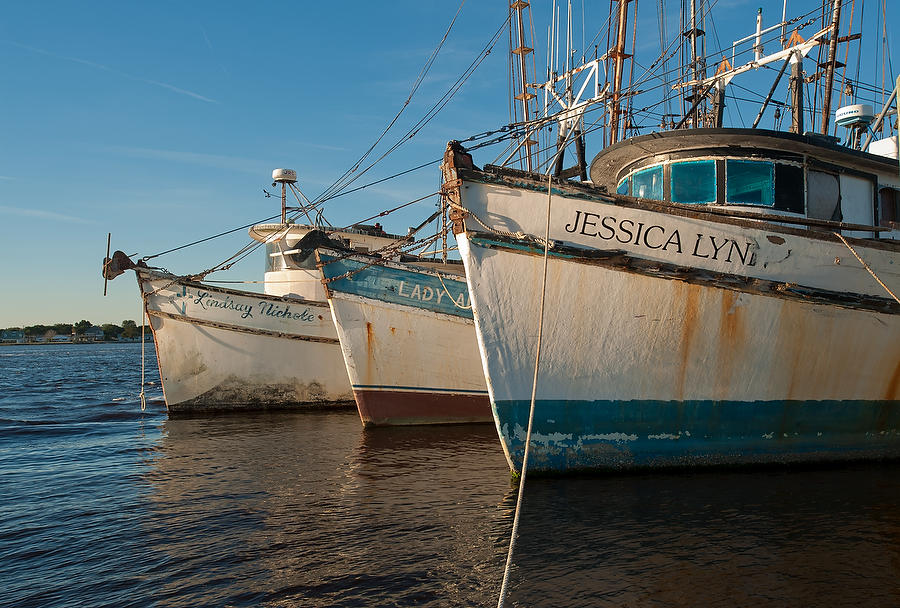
(408,339)
(715,296)
(224,349)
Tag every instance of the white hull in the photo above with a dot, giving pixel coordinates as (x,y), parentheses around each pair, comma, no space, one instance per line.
(707,340)
(408,340)
(222,349)
(625,336)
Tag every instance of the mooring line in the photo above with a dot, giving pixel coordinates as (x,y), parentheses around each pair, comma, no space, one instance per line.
(537,362)
(866,266)
(143,345)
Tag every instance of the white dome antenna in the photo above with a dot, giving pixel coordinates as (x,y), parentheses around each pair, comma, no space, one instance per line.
(284,177)
(857,118)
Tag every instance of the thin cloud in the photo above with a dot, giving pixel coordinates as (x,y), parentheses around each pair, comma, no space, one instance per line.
(218,161)
(43,215)
(106,68)
(206,38)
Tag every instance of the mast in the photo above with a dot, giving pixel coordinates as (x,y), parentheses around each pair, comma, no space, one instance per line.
(830,64)
(796,84)
(521,51)
(618,55)
(698,71)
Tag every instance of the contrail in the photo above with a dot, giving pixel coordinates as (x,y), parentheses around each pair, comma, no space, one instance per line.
(106,68)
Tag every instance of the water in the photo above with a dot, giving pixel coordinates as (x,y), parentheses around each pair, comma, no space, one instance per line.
(106,505)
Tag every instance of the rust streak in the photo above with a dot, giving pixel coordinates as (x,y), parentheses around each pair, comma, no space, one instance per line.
(370,341)
(730,338)
(893,390)
(689,331)
(790,349)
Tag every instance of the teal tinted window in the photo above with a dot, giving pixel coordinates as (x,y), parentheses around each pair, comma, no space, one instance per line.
(622,188)
(750,182)
(694,181)
(647,183)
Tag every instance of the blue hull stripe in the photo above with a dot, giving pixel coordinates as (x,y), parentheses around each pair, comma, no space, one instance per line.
(415,288)
(573,436)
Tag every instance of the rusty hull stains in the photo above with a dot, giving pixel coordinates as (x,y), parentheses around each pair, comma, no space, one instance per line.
(731,336)
(893,387)
(689,332)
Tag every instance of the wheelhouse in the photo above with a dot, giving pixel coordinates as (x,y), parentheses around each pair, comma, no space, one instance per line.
(763,171)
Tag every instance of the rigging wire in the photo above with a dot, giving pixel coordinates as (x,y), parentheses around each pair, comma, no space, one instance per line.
(209,238)
(337,185)
(431,113)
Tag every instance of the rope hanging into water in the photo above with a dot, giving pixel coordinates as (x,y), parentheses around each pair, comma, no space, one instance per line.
(534,382)
(866,266)
(143,344)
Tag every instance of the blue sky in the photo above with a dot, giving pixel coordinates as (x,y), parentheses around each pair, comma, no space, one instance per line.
(162,121)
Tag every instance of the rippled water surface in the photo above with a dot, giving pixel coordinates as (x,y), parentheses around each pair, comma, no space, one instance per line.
(105,505)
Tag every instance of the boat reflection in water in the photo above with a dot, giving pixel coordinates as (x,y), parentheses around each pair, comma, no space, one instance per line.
(307,508)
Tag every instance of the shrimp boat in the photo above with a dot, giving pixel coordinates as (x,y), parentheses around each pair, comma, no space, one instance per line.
(227,349)
(712,296)
(407,337)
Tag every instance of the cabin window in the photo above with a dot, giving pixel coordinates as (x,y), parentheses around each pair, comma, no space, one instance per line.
(693,182)
(888,206)
(622,188)
(272,260)
(300,259)
(823,199)
(749,182)
(276,260)
(789,188)
(648,183)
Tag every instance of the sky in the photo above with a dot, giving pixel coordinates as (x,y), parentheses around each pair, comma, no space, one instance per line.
(161,122)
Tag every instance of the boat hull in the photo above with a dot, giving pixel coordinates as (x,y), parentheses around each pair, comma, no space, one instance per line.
(223,349)
(678,362)
(412,356)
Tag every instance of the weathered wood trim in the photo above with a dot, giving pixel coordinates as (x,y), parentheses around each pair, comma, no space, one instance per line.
(618,259)
(240,329)
(150,274)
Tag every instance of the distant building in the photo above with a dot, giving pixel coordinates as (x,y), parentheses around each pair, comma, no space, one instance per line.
(12,336)
(93,334)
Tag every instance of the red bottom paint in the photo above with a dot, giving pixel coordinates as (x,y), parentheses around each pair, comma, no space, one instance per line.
(382,408)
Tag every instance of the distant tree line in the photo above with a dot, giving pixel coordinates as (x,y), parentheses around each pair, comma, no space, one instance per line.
(127,330)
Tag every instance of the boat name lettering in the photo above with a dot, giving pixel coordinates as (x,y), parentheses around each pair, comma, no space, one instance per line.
(271,309)
(205,301)
(654,236)
(424,293)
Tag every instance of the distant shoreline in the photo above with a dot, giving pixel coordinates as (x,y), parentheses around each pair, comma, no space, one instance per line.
(70,343)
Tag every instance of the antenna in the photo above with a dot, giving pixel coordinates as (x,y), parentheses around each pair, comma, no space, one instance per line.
(284,177)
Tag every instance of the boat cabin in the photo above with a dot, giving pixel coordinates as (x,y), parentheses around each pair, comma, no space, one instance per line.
(291,271)
(764,171)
